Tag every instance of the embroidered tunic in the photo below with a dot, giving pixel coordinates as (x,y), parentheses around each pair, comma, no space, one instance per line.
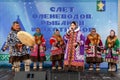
(74,56)
(112,47)
(38,52)
(93,47)
(16,54)
(57,47)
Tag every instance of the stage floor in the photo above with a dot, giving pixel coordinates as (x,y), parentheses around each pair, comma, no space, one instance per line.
(6,74)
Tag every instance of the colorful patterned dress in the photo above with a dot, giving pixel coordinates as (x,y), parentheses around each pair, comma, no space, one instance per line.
(112,47)
(16,53)
(94,47)
(74,55)
(57,48)
(38,52)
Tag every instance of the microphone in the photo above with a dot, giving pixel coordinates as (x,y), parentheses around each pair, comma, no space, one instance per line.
(71,30)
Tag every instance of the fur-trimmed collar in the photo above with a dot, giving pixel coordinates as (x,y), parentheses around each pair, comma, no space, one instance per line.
(77,29)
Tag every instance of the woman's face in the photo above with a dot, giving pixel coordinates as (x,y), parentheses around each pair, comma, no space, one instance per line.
(73,26)
(112,33)
(93,32)
(57,33)
(16,27)
(38,30)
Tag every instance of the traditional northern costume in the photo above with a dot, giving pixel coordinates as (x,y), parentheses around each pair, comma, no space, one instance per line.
(38,51)
(112,49)
(57,50)
(94,48)
(17,52)
(74,55)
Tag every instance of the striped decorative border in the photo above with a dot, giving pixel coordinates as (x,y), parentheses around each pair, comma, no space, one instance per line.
(5,57)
